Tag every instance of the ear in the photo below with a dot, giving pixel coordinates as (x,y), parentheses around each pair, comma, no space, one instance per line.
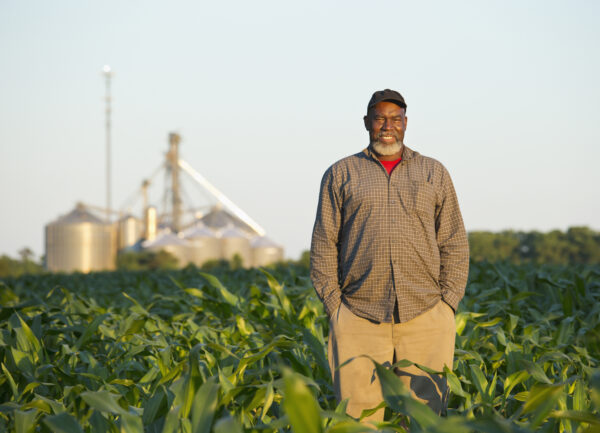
(367,124)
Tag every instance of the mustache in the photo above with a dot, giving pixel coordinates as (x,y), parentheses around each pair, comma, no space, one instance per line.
(381,134)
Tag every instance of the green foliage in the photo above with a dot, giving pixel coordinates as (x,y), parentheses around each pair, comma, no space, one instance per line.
(10,267)
(243,350)
(146,260)
(494,247)
(578,245)
(304,259)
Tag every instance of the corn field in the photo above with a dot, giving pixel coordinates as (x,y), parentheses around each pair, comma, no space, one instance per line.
(245,351)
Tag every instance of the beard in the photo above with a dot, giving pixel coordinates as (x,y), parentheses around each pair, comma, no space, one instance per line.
(386,149)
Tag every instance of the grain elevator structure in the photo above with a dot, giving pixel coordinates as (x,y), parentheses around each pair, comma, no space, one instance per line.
(83,241)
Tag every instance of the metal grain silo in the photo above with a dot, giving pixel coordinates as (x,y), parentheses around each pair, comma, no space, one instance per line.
(265,251)
(234,241)
(129,231)
(204,244)
(150,223)
(173,244)
(220,219)
(80,241)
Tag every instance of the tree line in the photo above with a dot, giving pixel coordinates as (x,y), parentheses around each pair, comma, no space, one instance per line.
(576,245)
(26,264)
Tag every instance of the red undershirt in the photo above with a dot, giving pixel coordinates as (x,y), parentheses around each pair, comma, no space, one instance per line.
(390,165)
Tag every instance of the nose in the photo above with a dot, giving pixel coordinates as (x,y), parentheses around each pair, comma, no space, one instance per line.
(387,124)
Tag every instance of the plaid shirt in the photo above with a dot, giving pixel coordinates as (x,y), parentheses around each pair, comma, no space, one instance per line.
(379,238)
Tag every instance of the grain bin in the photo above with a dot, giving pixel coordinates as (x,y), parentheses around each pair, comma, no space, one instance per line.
(173,244)
(235,242)
(219,219)
(204,244)
(80,241)
(150,223)
(265,251)
(129,231)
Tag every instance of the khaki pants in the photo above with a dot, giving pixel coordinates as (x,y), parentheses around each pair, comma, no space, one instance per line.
(427,340)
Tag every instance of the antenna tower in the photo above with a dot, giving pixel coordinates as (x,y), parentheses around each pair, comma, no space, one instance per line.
(107,72)
(173,168)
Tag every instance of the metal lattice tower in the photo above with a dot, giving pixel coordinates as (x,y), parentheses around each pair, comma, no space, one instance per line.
(173,168)
(107,72)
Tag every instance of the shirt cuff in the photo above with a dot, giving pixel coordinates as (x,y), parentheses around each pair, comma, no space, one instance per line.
(451,299)
(332,303)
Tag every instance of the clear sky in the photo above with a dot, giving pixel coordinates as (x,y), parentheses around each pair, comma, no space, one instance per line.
(267,94)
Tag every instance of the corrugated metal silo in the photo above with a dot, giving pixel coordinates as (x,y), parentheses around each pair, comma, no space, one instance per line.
(79,241)
(204,244)
(234,241)
(173,244)
(265,251)
(220,219)
(129,231)
(150,223)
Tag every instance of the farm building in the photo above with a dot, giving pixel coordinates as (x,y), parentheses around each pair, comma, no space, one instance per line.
(83,241)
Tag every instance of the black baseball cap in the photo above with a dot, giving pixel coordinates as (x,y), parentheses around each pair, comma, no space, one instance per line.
(387,95)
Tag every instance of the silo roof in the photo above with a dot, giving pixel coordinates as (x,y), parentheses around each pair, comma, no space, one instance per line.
(164,239)
(198,231)
(263,242)
(233,232)
(219,218)
(78,215)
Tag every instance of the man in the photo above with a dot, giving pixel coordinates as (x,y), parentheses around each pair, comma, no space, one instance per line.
(389,261)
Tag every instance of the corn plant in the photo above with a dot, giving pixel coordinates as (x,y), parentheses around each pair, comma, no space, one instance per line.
(244,351)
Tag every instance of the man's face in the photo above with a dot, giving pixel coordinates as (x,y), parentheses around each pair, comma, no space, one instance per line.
(386,123)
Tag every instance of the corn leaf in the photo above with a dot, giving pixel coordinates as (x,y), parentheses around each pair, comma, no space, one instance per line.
(63,423)
(205,406)
(300,406)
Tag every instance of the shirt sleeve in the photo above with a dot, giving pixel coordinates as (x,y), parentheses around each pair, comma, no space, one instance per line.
(453,245)
(324,247)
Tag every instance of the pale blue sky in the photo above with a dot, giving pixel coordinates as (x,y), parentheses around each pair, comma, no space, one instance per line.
(268,94)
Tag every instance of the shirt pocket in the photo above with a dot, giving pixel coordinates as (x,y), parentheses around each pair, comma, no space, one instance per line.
(419,199)
(360,198)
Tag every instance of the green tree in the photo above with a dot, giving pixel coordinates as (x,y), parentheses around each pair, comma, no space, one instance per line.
(146,260)
(494,246)
(584,245)
(10,267)
(304,260)
(552,247)
(578,245)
